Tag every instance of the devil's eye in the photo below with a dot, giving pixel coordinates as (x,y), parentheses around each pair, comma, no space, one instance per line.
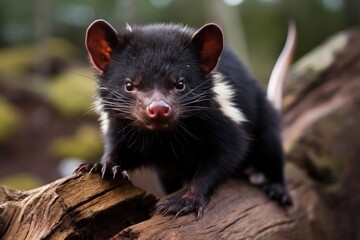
(129,86)
(180,85)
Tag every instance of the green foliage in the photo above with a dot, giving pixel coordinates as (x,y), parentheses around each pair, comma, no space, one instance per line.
(17,60)
(86,144)
(10,120)
(21,181)
(71,93)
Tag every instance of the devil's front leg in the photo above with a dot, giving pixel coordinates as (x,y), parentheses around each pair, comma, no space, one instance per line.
(196,194)
(221,153)
(110,165)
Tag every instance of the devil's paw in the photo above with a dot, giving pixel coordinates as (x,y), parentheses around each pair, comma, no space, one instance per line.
(106,170)
(183,202)
(277,192)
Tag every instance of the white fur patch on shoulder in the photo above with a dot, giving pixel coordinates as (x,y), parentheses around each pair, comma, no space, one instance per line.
(104,118)
(128,27)
(224,97)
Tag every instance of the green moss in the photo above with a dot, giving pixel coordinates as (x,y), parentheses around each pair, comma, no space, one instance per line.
(71,93)
(293,173)
(338,164)
(21,181)
(10,120)
(86,144)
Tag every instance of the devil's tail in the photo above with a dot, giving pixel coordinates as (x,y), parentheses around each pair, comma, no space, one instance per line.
(278,74)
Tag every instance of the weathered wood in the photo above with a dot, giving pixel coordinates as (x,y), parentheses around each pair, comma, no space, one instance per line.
(76,207)
(322,138)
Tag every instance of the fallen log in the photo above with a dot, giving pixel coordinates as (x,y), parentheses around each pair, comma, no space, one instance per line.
(76,207)
(322,140)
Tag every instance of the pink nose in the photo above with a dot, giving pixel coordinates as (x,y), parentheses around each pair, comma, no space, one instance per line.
(158,109)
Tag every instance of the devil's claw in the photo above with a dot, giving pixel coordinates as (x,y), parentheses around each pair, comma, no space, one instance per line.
(181,204)
(117,170)
(106,170)
(83,168)
(278,192)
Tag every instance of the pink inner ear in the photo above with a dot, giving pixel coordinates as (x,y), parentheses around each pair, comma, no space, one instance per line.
(210,39)
(100,39)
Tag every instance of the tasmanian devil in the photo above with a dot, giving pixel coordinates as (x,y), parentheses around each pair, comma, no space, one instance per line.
(178,100)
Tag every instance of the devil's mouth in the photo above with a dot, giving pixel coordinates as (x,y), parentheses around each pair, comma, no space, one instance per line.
(157,126)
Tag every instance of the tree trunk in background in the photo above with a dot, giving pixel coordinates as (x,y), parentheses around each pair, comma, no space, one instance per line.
(42,23)
(351,11)
(322,139)
(229,19)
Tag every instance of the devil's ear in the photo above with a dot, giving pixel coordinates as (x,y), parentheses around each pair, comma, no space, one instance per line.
(209,41)
(101,38)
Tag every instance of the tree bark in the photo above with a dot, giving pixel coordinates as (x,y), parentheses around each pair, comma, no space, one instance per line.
(322,140)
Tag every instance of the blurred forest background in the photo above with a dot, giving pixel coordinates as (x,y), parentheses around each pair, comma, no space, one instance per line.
(46,84)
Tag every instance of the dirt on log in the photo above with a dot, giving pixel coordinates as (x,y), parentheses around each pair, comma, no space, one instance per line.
(321,136)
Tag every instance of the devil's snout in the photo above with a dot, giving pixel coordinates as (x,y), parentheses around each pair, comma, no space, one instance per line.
(158,109)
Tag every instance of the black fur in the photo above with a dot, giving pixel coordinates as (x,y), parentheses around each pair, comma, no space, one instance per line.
(202,147)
